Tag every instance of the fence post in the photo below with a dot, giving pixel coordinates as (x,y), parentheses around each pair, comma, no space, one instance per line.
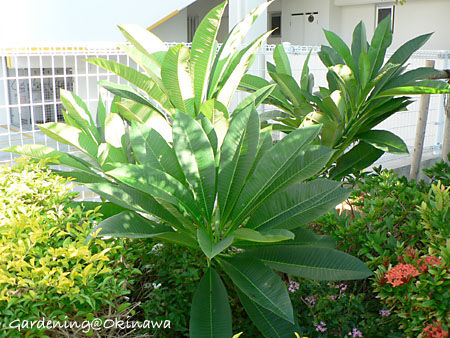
(446,138)
(420,130)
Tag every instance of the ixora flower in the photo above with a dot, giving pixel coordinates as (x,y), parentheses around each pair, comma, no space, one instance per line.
(401,274)
(424,262)
(435,330)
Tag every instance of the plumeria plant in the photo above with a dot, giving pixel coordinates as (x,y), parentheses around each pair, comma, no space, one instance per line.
(222,189)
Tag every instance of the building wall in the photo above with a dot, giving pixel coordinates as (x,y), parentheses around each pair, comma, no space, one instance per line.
(414,18)
(410,20)
(174,29)
(296,29)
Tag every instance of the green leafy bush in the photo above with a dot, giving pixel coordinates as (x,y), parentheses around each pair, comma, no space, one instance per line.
(439,172)
(382,215)
(340,310)
(417,284)
(46,268)
(167,284)
(401,229)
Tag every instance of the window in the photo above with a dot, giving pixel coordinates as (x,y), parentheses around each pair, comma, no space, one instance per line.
(383,12)
(275,23)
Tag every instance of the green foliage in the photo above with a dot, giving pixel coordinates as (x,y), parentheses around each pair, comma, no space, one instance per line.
(204,77)
(206,181)
(401,229)
(165,288)
(46,268)
(337,309)
(363,90)
(256,185)
(439,172)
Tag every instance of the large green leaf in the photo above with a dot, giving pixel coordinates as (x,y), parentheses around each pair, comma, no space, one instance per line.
(297,204)
(211,248)
(250,235)
(319,263)
(302,237)
(405,51)
(72,136)
(196,158)
(133,76)
(384,140)
(410,77)
(341,48)
(230,45)
(210,311)
(176,77)
(78,111)
(136,112)
(109,156)
(133,199)
(218,115)
(358,158)
(115,130)
(259,283)
(203,51)
(289,87)
(415,90)
(107,209)
(145,41)
(308,162)
(381,40)
(179,238)
(158,184)
(152,68)
(81,176)
(128,92)
(40,151)
(256,98)
(129,224)
(151,148)
(237,68)
(252,83)
(275,162)
(237,157)
(267,322)
(359,43)
(330,57)
(282,60)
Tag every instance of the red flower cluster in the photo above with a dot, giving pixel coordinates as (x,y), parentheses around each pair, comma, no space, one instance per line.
(401,274)
(426,261)
(435,330)
(409,252)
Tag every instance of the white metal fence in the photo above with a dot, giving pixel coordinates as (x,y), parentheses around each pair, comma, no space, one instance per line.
(30,79)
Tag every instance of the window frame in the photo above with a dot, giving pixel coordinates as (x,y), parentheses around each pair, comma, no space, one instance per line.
(383,6)
(276,33)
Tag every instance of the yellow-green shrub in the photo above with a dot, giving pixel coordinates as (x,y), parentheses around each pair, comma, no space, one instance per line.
(47,269)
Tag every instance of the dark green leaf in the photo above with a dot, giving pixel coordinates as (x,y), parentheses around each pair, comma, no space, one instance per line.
(210,311)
